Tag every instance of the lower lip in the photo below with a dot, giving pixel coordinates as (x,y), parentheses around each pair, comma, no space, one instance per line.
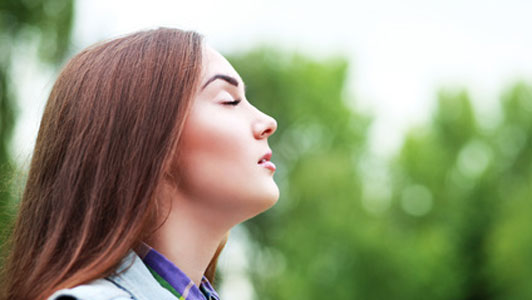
(268,165)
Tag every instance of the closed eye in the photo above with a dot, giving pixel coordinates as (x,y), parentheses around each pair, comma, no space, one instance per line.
(234,103)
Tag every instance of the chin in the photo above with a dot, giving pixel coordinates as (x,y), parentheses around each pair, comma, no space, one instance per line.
(262,202)
(271,198)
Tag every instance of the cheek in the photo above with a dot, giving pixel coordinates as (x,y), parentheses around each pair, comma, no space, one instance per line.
(215,158)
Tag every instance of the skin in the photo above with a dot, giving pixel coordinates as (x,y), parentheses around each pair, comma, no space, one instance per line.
(215,181)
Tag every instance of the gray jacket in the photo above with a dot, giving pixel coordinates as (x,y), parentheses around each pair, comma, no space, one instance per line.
(136,283)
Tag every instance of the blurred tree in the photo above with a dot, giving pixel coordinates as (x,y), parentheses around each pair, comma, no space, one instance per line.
(309,239)
(475,184)
(22,22)
(509,244)
(445,219)
(443,191)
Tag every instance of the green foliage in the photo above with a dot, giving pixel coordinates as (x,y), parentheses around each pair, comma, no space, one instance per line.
(317,138)
(445,219)
(476,178)
(49,22)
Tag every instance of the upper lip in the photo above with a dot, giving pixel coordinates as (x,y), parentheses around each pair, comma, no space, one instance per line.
(266,157)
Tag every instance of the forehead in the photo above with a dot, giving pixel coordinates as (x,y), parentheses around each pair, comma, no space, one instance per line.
(214,63)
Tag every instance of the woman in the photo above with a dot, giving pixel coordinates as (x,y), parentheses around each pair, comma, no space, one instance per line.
(147,154)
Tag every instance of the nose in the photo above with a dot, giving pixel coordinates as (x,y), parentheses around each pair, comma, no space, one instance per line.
(265,126)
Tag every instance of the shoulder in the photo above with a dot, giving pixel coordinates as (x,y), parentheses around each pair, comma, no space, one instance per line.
(131,280)
(100,289)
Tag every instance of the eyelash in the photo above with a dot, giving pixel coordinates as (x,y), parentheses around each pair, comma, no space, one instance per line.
(234,103)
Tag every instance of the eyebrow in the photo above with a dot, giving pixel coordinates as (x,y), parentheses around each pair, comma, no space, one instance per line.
(227,78)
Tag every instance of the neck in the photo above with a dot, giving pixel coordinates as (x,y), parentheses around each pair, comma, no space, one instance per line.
(188,237)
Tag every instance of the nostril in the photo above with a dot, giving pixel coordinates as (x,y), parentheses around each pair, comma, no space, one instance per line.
(264,129)
(268,131)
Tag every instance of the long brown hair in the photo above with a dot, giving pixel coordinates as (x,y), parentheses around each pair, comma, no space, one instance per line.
(110,126)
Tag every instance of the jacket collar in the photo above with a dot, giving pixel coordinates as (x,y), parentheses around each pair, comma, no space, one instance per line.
(133,276)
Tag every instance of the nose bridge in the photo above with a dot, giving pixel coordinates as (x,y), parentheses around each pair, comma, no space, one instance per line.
(264,124)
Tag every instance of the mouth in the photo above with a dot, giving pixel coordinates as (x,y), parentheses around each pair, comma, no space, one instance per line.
(265,161)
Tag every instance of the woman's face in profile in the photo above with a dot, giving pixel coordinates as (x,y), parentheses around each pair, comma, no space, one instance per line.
(224,139)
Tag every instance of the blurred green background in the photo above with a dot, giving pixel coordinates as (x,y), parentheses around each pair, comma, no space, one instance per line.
(445,218)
